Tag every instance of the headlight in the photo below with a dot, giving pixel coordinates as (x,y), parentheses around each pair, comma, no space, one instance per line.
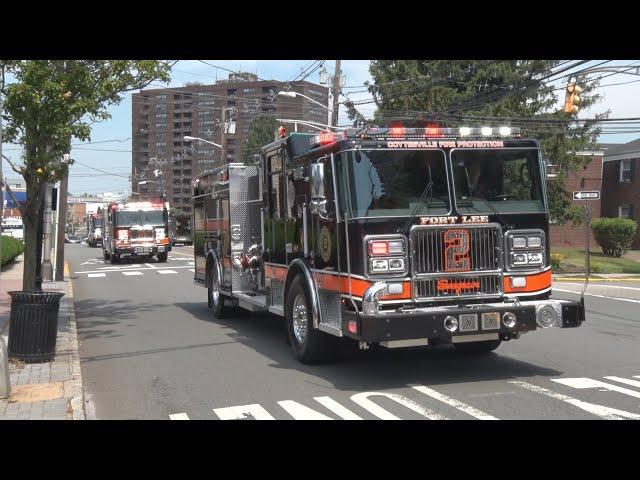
(378,266)
(526,249)
(534,242)
(386,255)
(519,242)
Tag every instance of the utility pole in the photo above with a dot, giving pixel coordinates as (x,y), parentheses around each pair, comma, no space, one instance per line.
(223,137)
(47,267)
(62,223)
(336,94)
(1,160)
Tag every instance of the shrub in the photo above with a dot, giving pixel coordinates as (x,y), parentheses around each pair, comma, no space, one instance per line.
(11,248)
(614,235)
(556,260)
(595,268)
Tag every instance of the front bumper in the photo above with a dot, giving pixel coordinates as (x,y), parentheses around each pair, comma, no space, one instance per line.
(428,323)
(142,250)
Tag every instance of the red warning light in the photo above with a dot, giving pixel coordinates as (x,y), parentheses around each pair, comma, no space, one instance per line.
(397,132)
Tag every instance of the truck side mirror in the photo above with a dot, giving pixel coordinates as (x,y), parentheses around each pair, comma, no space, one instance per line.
(318,200)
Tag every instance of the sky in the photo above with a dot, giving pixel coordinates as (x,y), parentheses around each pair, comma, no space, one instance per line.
(110,146)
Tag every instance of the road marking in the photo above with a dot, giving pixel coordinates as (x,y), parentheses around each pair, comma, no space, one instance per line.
(601,411)
(164,272)
(179,416)
(241,412)
(602,286)
(468,409)
(300,412)
(137,267)
(192,270)
(600,296)
(589,383)
(131,273)
(95,275)
(633,383)
(362,399)
(341,411)
(150,266)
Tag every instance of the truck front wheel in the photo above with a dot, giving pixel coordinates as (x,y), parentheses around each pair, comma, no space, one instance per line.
(309,345)
(478,347)
(162,257)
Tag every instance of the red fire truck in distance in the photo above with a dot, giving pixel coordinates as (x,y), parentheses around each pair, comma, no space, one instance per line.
(136,229)
(390,236)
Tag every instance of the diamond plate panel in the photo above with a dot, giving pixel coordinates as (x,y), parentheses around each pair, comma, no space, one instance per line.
(330,313)
(277,294)
(242,218)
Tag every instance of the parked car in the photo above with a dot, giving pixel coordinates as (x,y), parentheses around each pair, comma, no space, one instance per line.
(74,239)
(183,238)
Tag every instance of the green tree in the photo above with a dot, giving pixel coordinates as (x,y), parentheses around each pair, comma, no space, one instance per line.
(447,90)
(46,104)
(262,130)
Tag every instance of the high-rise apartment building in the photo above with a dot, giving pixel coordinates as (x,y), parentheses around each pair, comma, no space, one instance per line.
(161,118)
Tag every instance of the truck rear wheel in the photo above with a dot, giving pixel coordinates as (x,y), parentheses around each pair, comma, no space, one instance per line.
(162,257)
(478,347)
(215,297)
(115,258)
(309,345)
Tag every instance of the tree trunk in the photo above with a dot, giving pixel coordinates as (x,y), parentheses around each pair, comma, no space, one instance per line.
(32,243)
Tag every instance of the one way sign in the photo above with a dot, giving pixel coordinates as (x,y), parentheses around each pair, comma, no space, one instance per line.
(591,195)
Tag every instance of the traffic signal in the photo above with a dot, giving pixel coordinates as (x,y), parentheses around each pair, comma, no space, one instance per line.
(572,100)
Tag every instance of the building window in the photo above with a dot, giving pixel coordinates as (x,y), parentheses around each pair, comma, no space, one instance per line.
(625,211)
(625,170)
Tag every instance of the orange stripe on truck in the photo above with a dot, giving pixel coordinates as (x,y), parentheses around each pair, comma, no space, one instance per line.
(536,282)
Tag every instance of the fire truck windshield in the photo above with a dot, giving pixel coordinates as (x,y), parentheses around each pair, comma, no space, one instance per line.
(501,181)
(394,182)
(127,218)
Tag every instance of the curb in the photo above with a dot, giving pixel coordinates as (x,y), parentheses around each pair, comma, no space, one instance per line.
(77,401)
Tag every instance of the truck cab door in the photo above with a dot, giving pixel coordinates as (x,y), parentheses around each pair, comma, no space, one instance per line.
(325,256)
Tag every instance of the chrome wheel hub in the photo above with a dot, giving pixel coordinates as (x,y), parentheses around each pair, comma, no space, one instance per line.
(215,294)
(299,319)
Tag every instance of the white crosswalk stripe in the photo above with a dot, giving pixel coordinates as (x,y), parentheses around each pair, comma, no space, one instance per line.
(179,416)
(165,272)
(131,273)
(97,275)
(398,406)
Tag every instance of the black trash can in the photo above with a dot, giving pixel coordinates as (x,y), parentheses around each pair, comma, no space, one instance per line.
(33,326)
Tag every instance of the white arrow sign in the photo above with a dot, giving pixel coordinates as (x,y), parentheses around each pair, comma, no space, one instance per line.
(586,195)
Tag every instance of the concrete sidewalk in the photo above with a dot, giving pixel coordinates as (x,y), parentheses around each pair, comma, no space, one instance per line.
(52,390)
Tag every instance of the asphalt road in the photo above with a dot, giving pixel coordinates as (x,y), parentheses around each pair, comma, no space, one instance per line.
(150,349)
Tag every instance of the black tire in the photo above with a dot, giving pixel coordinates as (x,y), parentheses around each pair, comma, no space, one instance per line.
(115,258)
(215,299)
(162,257)
(310,346)
(477,347)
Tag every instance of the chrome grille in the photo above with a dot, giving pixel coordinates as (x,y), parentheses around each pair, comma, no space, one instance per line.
(431,278)
(428,248)
(141,234)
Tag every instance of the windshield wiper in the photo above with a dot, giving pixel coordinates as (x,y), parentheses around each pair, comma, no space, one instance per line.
(416,211)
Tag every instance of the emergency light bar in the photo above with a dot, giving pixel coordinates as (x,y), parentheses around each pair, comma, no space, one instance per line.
(326,138)
(437,132)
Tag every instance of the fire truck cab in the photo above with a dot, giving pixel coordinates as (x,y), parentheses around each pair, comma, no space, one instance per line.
(390,236)
(136,229)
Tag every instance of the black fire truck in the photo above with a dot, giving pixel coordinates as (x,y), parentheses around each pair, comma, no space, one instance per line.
(390,236)
(94,229)
(136,229)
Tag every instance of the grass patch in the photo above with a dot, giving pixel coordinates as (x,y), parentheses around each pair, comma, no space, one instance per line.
(574,262)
